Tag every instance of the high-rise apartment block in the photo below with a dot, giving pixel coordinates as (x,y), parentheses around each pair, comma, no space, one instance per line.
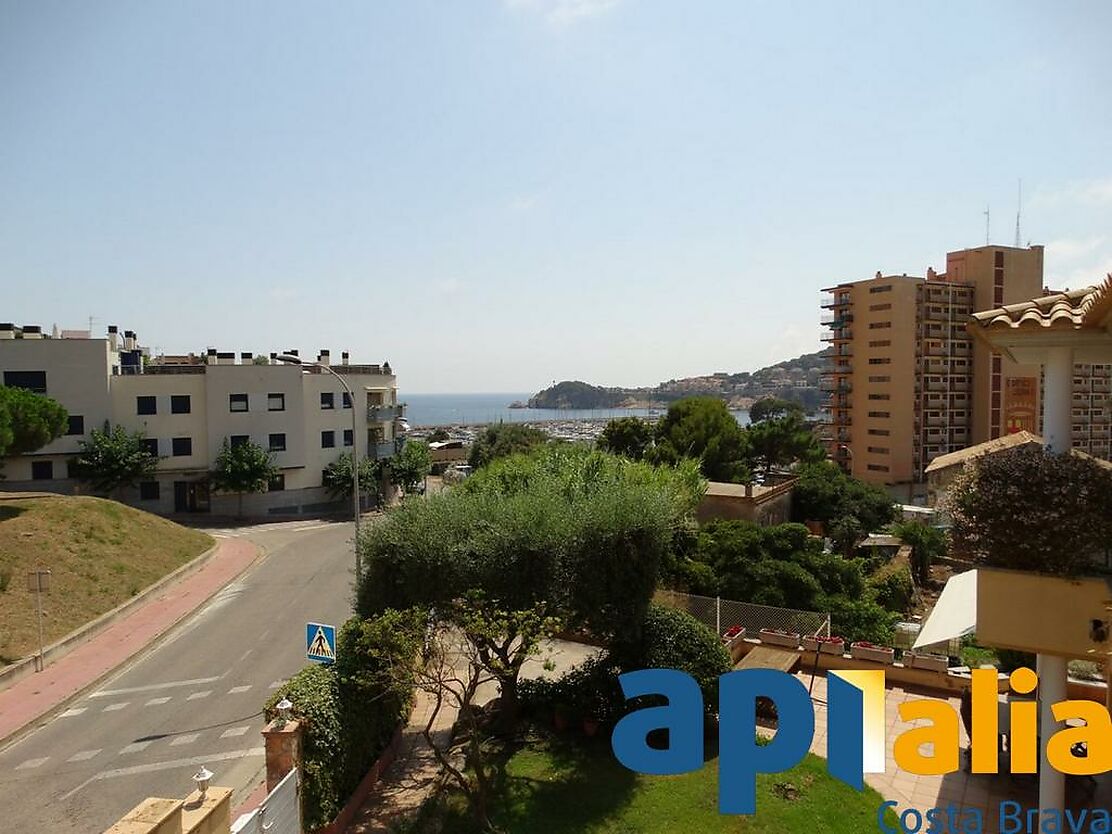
(186,407)
(905,382)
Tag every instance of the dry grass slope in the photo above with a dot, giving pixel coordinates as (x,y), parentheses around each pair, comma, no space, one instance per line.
(101,553)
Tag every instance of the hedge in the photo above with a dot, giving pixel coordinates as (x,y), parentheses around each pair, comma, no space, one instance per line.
(350,710)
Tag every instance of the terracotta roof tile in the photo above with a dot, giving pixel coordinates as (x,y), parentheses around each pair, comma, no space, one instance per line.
(999,444)
(1071,310)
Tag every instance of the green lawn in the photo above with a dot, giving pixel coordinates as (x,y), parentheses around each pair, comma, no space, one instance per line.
(561,788)
(100,553)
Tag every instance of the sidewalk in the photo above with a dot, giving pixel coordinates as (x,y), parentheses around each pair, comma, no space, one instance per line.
(410,780)
(33,697)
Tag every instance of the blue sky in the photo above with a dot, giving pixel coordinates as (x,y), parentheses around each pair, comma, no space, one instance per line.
(498,193)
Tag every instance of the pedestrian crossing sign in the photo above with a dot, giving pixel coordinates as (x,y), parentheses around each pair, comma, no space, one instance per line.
(320,642)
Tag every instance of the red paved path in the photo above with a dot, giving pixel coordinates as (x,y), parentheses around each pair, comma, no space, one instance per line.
(29,699)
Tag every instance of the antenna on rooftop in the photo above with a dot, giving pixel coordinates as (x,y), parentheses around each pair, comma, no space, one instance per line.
(1018,211)
(987,221)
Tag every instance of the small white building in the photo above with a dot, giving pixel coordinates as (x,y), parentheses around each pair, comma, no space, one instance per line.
(186,406)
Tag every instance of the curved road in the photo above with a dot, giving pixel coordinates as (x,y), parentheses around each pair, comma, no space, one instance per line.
(194,699)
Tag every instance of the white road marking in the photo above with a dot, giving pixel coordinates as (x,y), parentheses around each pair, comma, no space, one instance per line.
(70,713)
(193,761)
(235,690)
(276,684)
(188,738)
(84,755)
(234,732)
(245,655)
(196,696)
(135,747)
(116,707)
(32,763)
(154,702)
(105,693)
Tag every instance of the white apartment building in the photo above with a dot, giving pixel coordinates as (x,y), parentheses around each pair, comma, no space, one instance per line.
(186,406)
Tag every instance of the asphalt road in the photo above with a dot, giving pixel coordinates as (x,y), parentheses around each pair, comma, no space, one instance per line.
(194,699)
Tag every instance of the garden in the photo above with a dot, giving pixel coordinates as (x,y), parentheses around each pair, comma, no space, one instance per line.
(462,589)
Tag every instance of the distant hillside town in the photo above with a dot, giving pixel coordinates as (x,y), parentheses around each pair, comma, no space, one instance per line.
(796,380)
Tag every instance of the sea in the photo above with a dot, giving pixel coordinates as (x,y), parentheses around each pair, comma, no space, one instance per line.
(477,409)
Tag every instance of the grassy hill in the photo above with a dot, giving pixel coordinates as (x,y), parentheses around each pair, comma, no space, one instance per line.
(101,553)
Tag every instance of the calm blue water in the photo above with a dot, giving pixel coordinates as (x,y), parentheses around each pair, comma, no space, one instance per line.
(461,409)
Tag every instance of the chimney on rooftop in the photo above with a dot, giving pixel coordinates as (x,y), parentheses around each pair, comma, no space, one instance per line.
(226,358)
(210,356)
(7,330)
(32,331)
(246,357)
(324,357)
(113,337)
(344,358)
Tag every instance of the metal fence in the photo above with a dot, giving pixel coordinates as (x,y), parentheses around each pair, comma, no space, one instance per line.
(722,614)
(279,813)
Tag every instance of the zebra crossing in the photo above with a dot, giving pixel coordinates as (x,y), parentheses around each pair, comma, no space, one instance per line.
(95,705)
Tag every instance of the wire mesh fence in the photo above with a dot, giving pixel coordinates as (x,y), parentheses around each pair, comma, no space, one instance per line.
(723,614)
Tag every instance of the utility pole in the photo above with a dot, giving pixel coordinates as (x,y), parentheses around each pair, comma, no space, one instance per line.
(987,226)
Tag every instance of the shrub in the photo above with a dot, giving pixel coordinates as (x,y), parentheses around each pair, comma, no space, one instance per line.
(349,710)
(1012,659)
(892,588)
(584,535)
(315,698)
(859,619)
(673,639)
(1034,510)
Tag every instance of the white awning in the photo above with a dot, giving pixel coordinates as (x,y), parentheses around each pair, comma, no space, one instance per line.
(955,614)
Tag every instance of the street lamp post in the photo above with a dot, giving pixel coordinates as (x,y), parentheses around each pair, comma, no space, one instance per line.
(356,507)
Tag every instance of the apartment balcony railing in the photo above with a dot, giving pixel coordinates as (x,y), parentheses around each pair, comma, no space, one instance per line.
(830,300)
(938,420)
(385,413)
(829,384)
(386,448)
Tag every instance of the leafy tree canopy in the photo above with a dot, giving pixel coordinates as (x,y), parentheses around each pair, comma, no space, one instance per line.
(773,407)
(783,440)
(579,533)
(703,428)
(113,458)
(927,544)
(244,467)
(337,476)
(439,436)
(409,467)
(28,421)
(1032,509)
(504,439)
(626,436)
(823,492)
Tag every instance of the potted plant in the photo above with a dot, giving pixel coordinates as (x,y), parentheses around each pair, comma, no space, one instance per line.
(864,650)
(926,660)
(779,637)
(734,632)
(827,645)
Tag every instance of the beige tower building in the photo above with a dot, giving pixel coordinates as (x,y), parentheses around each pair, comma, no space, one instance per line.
(905,382)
